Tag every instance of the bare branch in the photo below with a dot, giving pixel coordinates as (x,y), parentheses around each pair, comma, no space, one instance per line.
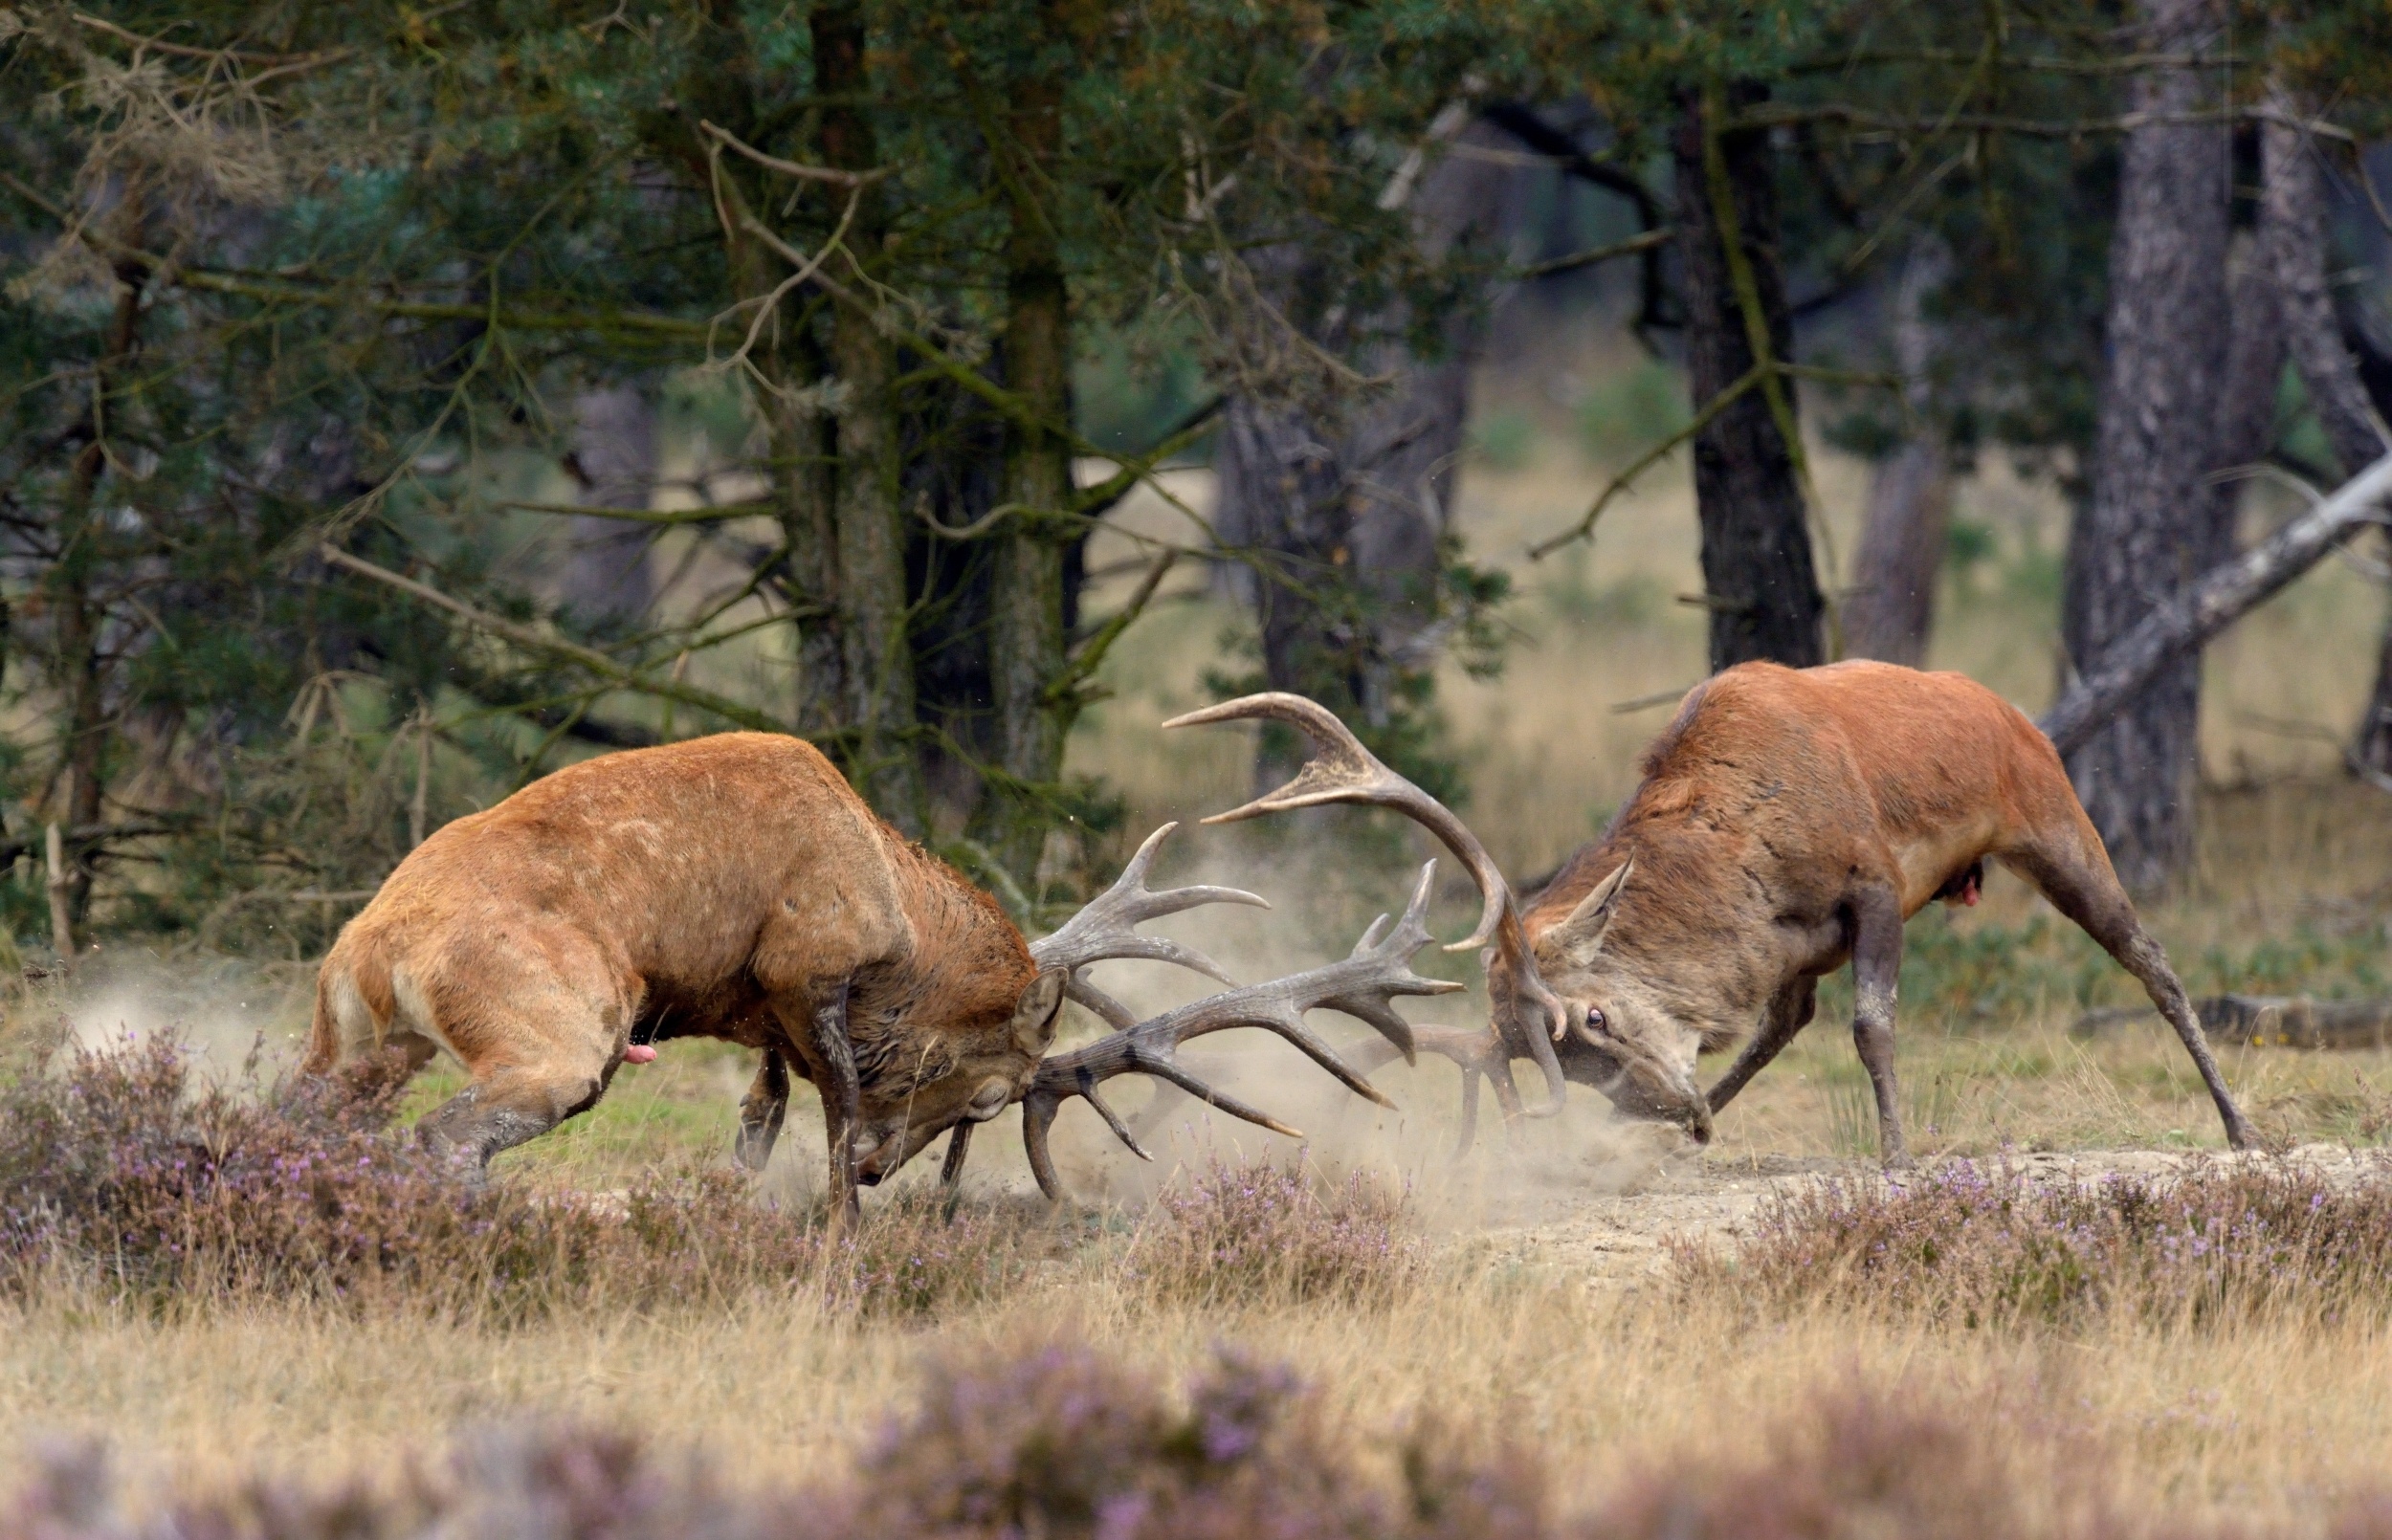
(2223,596)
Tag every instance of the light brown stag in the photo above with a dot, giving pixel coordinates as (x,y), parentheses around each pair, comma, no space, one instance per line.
(735,886)
(1789,821)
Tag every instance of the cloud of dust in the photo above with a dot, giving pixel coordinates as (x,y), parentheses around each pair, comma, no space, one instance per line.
(228,1012)
(1322,900)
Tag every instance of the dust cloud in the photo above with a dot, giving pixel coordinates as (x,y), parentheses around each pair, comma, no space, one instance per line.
(238,1020)
(1323,897)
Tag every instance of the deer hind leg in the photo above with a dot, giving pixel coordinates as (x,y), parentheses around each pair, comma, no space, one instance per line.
(761,1112)
(2073,872)
(504,1109)
(1789,1011)
(1876,966)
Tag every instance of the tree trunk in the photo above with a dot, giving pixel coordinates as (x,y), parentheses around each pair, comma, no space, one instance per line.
(79,665)
(2151,526)
(876,656)
(1759,580)
(605,580)
(2295,246)
(1893,603)
(1026,617)
(1342,505)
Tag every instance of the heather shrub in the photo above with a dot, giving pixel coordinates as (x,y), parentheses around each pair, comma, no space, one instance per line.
(123,1169)
(1063,1444)
(1978,1246)
(1266,1230)
(1866,1463)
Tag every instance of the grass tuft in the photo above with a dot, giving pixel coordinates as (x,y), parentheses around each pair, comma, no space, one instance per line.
(1276,1232)
(1977,1245)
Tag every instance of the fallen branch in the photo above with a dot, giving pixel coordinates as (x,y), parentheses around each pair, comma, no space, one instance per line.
(2268,1021)
(524,636)
(2223,596)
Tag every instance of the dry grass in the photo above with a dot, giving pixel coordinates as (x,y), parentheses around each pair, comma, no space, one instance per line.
(2265,1420)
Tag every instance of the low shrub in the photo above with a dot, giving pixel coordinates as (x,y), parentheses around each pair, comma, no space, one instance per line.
(1978,1245)
(1062,1443)
(121,1168)
(1247,1232)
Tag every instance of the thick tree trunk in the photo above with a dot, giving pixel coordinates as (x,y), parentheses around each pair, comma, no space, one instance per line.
(2151,526)
(2295,246)
(1026,614)
(1342,507)
(1893,603)
(876,656)
(1758,578)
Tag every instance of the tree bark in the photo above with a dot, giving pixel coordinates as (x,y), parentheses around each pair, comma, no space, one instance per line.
(78,666)
(2294,247)
(2151,526)
(606,578)
(1893,603)
(1341,505)
(1758,579)
(1025,618)
(875,657)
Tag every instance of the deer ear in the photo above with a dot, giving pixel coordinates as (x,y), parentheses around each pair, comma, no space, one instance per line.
(1034,1014)
(1579,936)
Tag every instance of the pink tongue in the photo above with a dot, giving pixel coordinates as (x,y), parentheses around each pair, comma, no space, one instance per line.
(638,1053)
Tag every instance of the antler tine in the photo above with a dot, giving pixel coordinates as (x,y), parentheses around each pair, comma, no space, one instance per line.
(1342,770)
(1106,927)
(1364,985)
(1478,1053)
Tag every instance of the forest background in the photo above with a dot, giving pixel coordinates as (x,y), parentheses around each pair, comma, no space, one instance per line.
(403,402)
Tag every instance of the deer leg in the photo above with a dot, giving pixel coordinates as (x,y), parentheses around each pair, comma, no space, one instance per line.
(762,1110)
(1876,965)
(832,1058)
(2088,892)
(506,1108)
(1789,1011)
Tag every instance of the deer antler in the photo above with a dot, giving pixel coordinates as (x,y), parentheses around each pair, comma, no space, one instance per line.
(1478,1051)
(1106,927)
(1340,770)
(1362,986)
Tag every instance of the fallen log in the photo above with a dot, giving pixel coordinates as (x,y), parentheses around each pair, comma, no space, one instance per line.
(2223,596)
(2269,1021)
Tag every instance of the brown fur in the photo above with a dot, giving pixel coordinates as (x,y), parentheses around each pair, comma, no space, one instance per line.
(730,886)
(1789,822)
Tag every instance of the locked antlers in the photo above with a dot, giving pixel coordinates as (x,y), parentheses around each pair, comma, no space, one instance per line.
(1362,986)
(1528,1016)
(1106,928)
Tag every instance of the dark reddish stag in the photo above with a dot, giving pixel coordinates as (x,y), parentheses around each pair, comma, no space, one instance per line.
(735,887)
(1789,822)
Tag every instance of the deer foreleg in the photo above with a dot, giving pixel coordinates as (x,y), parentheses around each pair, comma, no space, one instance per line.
(1789,1011)
(1876,965)
(761,1112)
(832,1058)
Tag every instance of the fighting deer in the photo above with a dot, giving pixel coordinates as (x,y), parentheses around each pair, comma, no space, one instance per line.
(1789,822)
(735,886)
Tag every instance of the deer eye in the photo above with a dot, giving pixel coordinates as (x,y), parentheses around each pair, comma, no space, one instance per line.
(1596,1021)
(990,1100)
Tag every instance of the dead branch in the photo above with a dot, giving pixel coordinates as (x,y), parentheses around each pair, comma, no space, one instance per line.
(2223,596)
